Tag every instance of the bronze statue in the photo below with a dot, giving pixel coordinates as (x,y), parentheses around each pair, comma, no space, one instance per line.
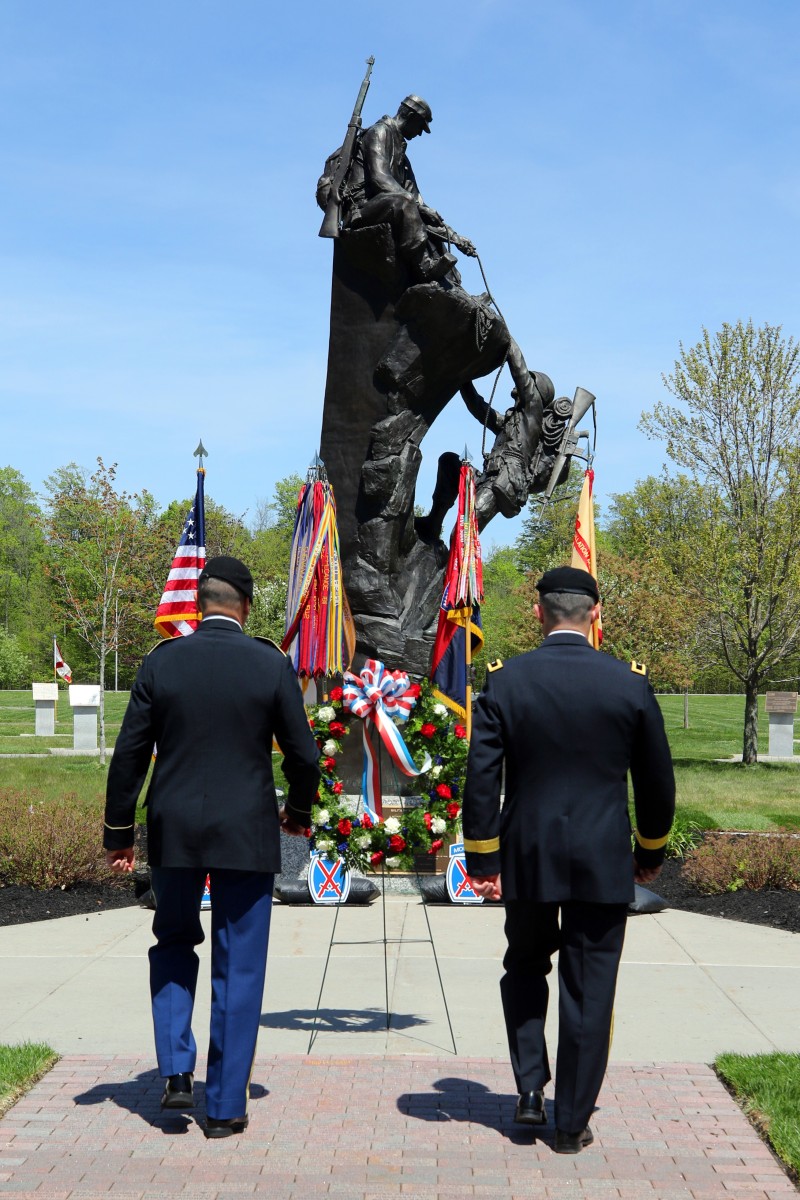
(405,337)
(381,189)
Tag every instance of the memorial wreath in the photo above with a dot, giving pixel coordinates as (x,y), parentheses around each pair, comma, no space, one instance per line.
(340,827)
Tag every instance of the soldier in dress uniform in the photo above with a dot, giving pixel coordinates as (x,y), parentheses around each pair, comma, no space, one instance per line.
(211,704)
(568,723)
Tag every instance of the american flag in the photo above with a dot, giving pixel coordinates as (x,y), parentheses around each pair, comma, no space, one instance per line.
(177,612)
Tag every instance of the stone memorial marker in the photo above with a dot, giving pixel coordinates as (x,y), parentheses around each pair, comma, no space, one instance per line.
(45,696)
(781,707)
(85,701)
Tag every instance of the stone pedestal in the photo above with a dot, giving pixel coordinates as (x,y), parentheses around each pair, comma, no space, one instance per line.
(84,699)
(45,696)
(781,708)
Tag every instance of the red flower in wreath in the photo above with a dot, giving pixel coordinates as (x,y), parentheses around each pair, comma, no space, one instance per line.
(443,792)
(336,728)
(338,788)
(397,843)
(437,845)
(336,693)
(329,764)
(376,858)
(428,819)
(428,730)
(366,821)
(413,690)
(311,722)
(345,827)
(453,810)
(460,731)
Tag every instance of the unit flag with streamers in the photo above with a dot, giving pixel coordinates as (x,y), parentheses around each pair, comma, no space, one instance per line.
(459,613)
(320,634)
(584,550)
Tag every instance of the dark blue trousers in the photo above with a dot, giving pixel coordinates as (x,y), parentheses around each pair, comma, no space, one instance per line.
(589,943)
(241,906)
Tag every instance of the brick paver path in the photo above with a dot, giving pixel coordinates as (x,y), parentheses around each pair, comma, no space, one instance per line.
(368,1128)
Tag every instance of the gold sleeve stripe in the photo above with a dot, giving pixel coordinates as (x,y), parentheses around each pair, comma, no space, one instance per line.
(117,826)
(651,843)
(487,846)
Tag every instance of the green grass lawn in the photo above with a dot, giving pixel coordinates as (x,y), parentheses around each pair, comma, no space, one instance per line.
(727,795)
(20,1067)
(768,1088)
(18,722)
(714,794)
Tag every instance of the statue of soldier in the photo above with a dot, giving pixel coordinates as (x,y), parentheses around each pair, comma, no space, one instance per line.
(526,439)
(381,189)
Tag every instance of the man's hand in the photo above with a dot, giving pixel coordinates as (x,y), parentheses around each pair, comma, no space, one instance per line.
(644,875)
(488,886)
(120,860)
(464,245)
(291,827)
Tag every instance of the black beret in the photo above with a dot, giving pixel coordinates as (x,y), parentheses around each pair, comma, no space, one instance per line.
(569,579)
(232,571)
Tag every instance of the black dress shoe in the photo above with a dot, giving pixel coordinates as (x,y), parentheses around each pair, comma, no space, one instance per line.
(572,1143)
(225,1127)
(530,1109)
(179,1092)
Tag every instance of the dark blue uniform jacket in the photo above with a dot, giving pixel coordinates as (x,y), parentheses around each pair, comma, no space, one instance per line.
(569,723)
(212,703)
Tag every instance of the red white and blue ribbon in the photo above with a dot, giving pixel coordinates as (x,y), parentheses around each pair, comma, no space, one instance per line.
(381,698)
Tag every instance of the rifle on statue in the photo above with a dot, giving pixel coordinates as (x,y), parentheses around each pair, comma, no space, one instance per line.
(333,208)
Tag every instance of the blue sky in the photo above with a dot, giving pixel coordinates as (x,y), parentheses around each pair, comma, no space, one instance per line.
(626,170)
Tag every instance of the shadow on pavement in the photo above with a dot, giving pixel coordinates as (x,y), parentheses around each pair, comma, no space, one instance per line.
(141,1095)
(455,1099)
(340,1020)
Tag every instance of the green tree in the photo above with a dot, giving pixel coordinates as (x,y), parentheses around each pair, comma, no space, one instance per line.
(272,531)
(99,554)
(736,433)
(546,537)
(23,606)
(15,666)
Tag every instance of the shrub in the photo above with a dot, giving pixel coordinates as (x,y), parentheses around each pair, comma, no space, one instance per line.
(726,862)
(49,844)
(683,837)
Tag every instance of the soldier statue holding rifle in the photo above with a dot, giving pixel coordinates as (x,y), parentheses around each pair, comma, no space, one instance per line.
(370,182)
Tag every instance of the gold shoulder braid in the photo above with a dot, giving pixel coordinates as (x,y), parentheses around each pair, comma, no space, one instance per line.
(497,665)
(638,668)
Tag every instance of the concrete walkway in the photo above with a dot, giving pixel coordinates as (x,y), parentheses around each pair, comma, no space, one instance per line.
(372,1112)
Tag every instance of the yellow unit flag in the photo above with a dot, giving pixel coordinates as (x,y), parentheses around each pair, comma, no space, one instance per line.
(584,552)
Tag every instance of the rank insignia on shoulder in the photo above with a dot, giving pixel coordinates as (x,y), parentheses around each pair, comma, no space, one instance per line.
(495,666)
(267,642)
(163,642)
(638,668)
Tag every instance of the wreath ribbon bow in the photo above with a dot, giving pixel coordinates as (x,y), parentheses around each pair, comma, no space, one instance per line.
(381,698)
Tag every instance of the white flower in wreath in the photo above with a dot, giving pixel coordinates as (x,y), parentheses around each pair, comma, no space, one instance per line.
(326,714)
(436,771)
(438,825)
(324,845)
(440,710)
(364,841)
(391,825)
(329,748)
(392,862)
(323,816)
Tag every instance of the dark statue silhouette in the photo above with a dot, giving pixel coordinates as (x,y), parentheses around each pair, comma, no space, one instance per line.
(405,337)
